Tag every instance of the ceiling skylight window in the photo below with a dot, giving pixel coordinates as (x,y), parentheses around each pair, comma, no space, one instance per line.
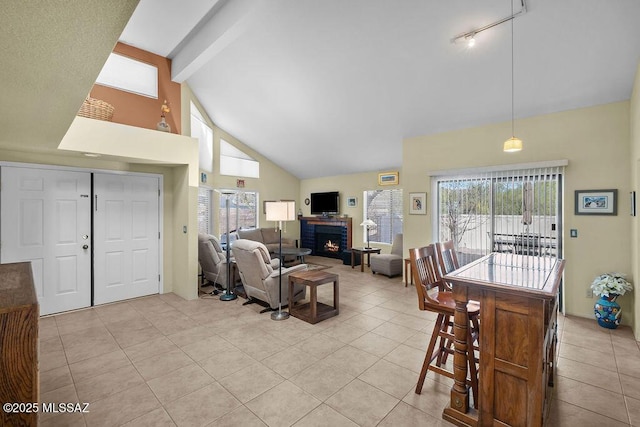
(129,75)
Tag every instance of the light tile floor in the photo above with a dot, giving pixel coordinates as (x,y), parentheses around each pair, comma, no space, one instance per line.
(164,361)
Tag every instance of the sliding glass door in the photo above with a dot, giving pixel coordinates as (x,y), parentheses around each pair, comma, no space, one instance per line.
(517,211)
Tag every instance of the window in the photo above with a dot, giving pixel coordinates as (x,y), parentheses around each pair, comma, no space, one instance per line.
(234,162)
(204,134)
(516,211)
(130,75)
(243,211)
(384,207)
(204,210)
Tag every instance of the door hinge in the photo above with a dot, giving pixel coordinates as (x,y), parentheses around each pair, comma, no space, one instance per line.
(158,192)
(158,235)
(158,277)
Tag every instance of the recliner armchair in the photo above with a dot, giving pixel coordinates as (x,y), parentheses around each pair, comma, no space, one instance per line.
(213,260)
(389,264)
(259,273)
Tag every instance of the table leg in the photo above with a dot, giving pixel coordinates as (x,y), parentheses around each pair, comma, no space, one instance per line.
(290,294)
(460,390)
(362,262)
(353,258)
(313,302)
(406,273)
(336,294)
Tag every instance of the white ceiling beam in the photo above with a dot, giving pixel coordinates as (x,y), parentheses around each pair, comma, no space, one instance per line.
(213,37)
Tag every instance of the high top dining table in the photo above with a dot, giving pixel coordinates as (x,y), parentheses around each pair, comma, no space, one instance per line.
(518,297)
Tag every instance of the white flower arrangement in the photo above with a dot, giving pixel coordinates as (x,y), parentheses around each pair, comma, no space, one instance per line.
(610,283)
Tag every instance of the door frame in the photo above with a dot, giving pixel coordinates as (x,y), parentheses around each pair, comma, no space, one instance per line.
(114,172)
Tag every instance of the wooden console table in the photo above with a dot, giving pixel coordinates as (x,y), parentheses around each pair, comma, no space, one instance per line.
(518,337)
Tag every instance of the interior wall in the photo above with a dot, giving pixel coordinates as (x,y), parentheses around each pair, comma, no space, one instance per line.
(594,140)
(352,185)
(99,164)
(634,129)
(274,183)
(142,111)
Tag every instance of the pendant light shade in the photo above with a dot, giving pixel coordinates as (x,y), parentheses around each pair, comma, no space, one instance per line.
(512,145)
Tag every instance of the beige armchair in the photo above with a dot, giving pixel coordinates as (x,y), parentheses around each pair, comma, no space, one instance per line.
(212,259)
(389,264)
(259,274)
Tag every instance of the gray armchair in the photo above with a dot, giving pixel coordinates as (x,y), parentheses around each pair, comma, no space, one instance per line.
(389,264)
(213,260)
(259,273)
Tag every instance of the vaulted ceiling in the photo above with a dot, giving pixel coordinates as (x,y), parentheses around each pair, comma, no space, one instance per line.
(332,87)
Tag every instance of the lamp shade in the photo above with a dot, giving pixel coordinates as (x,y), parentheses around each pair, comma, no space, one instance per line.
(281,211)
(512,145)
(368,223)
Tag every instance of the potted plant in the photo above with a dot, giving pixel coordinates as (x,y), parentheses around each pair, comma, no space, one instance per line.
(609,287)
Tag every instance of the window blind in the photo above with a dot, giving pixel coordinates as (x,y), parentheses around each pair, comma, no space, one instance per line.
(514,211)
(384,207)
(204,210)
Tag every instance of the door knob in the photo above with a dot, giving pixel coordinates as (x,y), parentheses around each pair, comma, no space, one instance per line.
(85,246)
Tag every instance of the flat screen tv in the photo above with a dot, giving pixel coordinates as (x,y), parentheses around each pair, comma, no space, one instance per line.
(327,203)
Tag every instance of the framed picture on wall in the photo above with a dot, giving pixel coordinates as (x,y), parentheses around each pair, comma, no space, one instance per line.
(418,203)
(388,178)
(596,202)
(352,202)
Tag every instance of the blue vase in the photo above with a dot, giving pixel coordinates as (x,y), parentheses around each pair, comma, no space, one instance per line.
(608,312)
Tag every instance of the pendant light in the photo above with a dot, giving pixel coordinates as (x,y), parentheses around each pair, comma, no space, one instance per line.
(512,144)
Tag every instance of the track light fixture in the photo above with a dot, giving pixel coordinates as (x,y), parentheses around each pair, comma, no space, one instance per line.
(469,36)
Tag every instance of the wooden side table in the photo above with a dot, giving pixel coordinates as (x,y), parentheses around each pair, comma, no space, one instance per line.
(363,251)
(314,311)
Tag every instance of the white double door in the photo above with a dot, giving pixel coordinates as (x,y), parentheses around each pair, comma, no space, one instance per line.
(46,218)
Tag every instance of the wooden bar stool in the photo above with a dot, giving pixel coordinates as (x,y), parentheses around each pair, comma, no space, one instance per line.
(447,257)
(434,295)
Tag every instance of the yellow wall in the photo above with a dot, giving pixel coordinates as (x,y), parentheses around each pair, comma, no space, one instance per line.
(274,183)
(634,118)
(352,185)
(594,140)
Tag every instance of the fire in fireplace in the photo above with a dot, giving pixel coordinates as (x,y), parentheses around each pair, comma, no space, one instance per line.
(328,241)
(331,246)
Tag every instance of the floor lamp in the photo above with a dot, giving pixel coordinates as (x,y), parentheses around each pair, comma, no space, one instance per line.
(228,294)
(369,224)
(280,211)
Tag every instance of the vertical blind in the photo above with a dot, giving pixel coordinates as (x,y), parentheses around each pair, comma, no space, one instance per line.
(384,207)
(204,210)
(514,211)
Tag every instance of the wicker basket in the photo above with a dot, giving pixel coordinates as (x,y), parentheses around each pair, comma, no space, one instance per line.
(96,109)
